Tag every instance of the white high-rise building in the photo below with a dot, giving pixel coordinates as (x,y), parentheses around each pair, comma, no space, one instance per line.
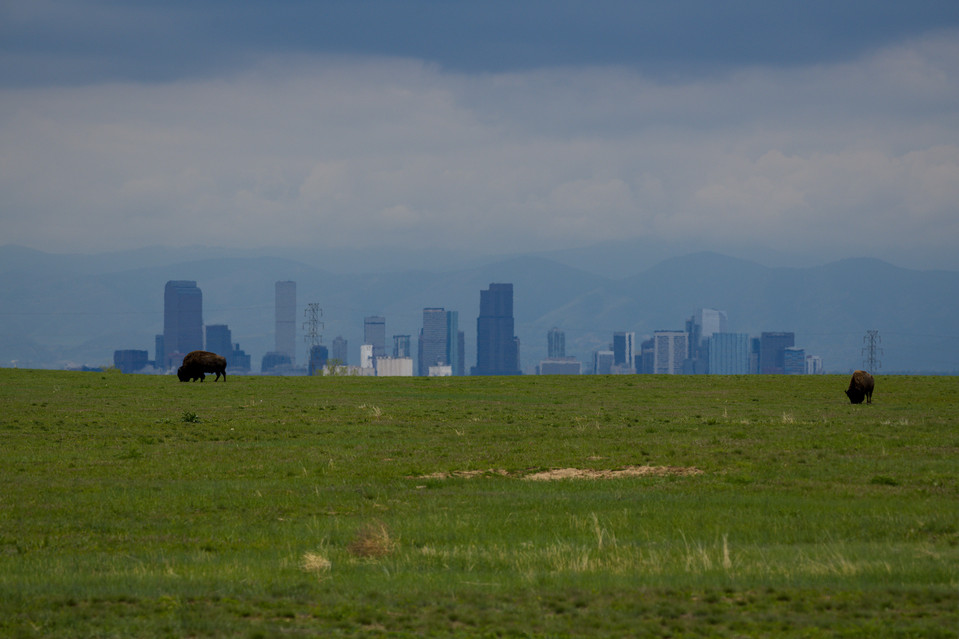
(623,349)
(286,319)
(669,352)
(366,356)
(711,321)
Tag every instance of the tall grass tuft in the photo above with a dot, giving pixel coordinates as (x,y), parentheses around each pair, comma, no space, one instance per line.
(315,563)
(372,540)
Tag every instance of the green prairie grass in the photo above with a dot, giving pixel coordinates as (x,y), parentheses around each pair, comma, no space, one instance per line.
(140,506)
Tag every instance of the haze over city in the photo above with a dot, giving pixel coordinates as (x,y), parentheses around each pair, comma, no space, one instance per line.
(376,138)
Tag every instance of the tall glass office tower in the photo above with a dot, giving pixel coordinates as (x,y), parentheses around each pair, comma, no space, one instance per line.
(556,344)
(497,348)
(182,321)
(374,333)
(434,338)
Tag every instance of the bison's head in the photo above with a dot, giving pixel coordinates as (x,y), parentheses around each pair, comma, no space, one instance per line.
(182,374)
(855,395)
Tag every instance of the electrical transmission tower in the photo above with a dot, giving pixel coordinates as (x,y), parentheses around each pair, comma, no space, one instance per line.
(871,351)
(313,326)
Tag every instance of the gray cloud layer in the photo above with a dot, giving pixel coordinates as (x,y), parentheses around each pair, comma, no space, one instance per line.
(859,156)
(77,41)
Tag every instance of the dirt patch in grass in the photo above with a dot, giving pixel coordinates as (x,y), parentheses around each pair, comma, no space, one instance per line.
(628,471)
(574,473)
(466,474)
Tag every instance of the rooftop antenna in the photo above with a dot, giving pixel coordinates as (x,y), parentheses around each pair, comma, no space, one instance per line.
(871,351)
(313,326)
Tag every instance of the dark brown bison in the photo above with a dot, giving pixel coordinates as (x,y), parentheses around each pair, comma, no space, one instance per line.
(860,387)
(196,363)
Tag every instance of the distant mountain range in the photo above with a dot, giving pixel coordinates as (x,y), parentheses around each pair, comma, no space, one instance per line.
(63,310)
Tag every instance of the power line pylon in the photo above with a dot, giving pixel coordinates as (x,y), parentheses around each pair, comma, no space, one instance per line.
(313,326)
(871,351)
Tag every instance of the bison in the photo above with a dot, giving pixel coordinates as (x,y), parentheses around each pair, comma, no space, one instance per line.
(860,387)
(196,363)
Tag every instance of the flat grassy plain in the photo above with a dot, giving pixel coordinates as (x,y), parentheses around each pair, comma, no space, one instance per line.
(343,506)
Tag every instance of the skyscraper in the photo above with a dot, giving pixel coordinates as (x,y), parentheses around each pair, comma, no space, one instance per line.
(219,340)
(603,362)
(158,352)
(729,354)
(340,351)
(401,346)
(670,348)
(452,343)
(182,321)
(556,362)
(794,361)
(433,344)
(497,348)
(646,362)
(374,333)
(710,321)
(440,342)
(623,349)
(705,323)
(813,365)
(286,319)
(772,351)
(555,344)
(460,369)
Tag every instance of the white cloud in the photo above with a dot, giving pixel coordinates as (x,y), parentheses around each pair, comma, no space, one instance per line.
(862,155)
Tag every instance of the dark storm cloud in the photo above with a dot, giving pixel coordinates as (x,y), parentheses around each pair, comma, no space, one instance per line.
(75,42)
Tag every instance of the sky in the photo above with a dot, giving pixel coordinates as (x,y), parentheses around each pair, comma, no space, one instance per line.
(817,128)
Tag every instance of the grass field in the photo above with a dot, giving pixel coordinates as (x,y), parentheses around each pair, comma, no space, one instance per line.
(264,506)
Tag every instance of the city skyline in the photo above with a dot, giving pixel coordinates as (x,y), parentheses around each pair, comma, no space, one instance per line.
(587,308)
(441,345)
(441,352)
